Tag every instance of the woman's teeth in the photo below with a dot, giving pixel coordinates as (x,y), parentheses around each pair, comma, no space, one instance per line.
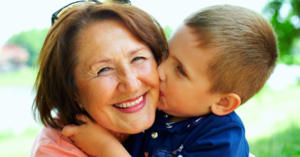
(129,104)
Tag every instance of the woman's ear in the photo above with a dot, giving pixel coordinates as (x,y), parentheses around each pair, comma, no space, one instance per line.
(76,98)
(226,104)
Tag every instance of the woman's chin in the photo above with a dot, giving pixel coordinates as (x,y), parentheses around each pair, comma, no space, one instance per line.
(145,119)
(138,125)
(142,127)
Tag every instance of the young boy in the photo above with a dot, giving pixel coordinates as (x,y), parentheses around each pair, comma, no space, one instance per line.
(218,58)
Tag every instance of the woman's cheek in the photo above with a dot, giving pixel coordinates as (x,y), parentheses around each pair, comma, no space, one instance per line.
(148,71)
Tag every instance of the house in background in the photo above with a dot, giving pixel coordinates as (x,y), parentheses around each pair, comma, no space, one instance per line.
(13,57)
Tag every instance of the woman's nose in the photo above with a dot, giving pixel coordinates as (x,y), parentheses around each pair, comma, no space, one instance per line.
(161,71)
(129,82)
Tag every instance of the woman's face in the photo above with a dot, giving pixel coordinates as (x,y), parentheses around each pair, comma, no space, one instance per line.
(116,77)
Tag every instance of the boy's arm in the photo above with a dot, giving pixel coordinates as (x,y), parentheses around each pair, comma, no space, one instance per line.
(94,139)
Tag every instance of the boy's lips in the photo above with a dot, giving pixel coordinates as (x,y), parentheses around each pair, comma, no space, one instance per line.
(160,93)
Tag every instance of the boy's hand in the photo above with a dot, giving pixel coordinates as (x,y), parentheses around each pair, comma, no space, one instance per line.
(92,138)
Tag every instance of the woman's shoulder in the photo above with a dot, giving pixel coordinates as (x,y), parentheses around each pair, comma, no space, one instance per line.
(51,142)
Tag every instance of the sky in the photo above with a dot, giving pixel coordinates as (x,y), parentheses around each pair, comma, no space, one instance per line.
(23,15)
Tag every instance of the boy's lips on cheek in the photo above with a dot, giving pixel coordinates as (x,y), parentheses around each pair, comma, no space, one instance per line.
(160,93)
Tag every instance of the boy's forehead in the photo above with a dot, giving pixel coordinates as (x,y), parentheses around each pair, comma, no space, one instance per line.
(184,34)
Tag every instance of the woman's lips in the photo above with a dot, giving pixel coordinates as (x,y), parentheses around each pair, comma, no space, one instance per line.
(131,105)
(130,100)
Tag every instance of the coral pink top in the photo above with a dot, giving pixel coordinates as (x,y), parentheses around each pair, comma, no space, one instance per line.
(51,142)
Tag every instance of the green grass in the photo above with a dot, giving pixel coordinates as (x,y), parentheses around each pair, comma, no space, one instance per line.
(23,77)
(12,145)
(18,146)
(272,122)
(282,144)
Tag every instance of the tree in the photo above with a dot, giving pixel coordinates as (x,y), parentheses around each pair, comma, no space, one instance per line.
(32,41)
(284,16)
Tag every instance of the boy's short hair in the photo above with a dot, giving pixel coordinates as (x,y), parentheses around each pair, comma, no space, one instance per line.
(244,46)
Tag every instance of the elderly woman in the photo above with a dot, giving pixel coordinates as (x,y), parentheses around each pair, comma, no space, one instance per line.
(99,60)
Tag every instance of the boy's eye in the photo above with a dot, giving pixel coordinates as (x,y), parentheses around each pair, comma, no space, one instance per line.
(181,71)
(102,70)
(137,58)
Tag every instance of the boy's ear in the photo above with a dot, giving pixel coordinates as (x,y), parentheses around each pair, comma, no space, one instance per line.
(227,104)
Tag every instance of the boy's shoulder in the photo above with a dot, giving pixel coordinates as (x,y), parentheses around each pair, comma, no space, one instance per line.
(213,120)
(221,134)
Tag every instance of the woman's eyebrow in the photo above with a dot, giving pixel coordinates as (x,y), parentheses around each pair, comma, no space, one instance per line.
(106,60)
(102,60)
(132,52)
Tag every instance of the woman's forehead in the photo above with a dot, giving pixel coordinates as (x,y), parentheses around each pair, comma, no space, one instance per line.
(104,41)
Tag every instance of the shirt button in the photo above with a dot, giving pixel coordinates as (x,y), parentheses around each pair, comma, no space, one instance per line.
(154,135)
(166,115)
(169,126)
(146,154)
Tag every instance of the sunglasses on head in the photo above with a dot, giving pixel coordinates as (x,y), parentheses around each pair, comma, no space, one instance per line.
(55,15)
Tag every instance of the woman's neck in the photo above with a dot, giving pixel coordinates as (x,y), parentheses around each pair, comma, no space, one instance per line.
(177,119)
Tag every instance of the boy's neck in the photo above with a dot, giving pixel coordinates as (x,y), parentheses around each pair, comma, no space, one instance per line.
(177,119)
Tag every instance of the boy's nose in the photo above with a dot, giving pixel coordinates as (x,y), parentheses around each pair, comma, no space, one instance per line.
(161,71)
(129,82)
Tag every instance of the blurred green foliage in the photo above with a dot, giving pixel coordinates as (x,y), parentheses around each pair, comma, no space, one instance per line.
(32,41)
(282,144)
(284,16)
(22,77)
(168,31)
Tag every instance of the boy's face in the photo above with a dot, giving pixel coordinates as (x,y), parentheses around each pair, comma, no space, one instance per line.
(184,84)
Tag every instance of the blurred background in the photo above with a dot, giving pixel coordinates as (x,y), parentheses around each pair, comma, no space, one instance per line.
(271,118)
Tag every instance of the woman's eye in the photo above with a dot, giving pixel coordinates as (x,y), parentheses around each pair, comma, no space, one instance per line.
(181,71)
(102,70)
(137,58)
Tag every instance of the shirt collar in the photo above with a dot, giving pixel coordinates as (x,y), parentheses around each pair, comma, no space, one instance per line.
(179,127)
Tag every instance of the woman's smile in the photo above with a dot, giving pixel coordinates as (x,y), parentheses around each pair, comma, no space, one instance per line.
(131,105)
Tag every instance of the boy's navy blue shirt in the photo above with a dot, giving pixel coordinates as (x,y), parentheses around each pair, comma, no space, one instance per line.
(209,135)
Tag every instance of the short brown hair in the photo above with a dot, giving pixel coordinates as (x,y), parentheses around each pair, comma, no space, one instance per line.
(244,46)
(55,83)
